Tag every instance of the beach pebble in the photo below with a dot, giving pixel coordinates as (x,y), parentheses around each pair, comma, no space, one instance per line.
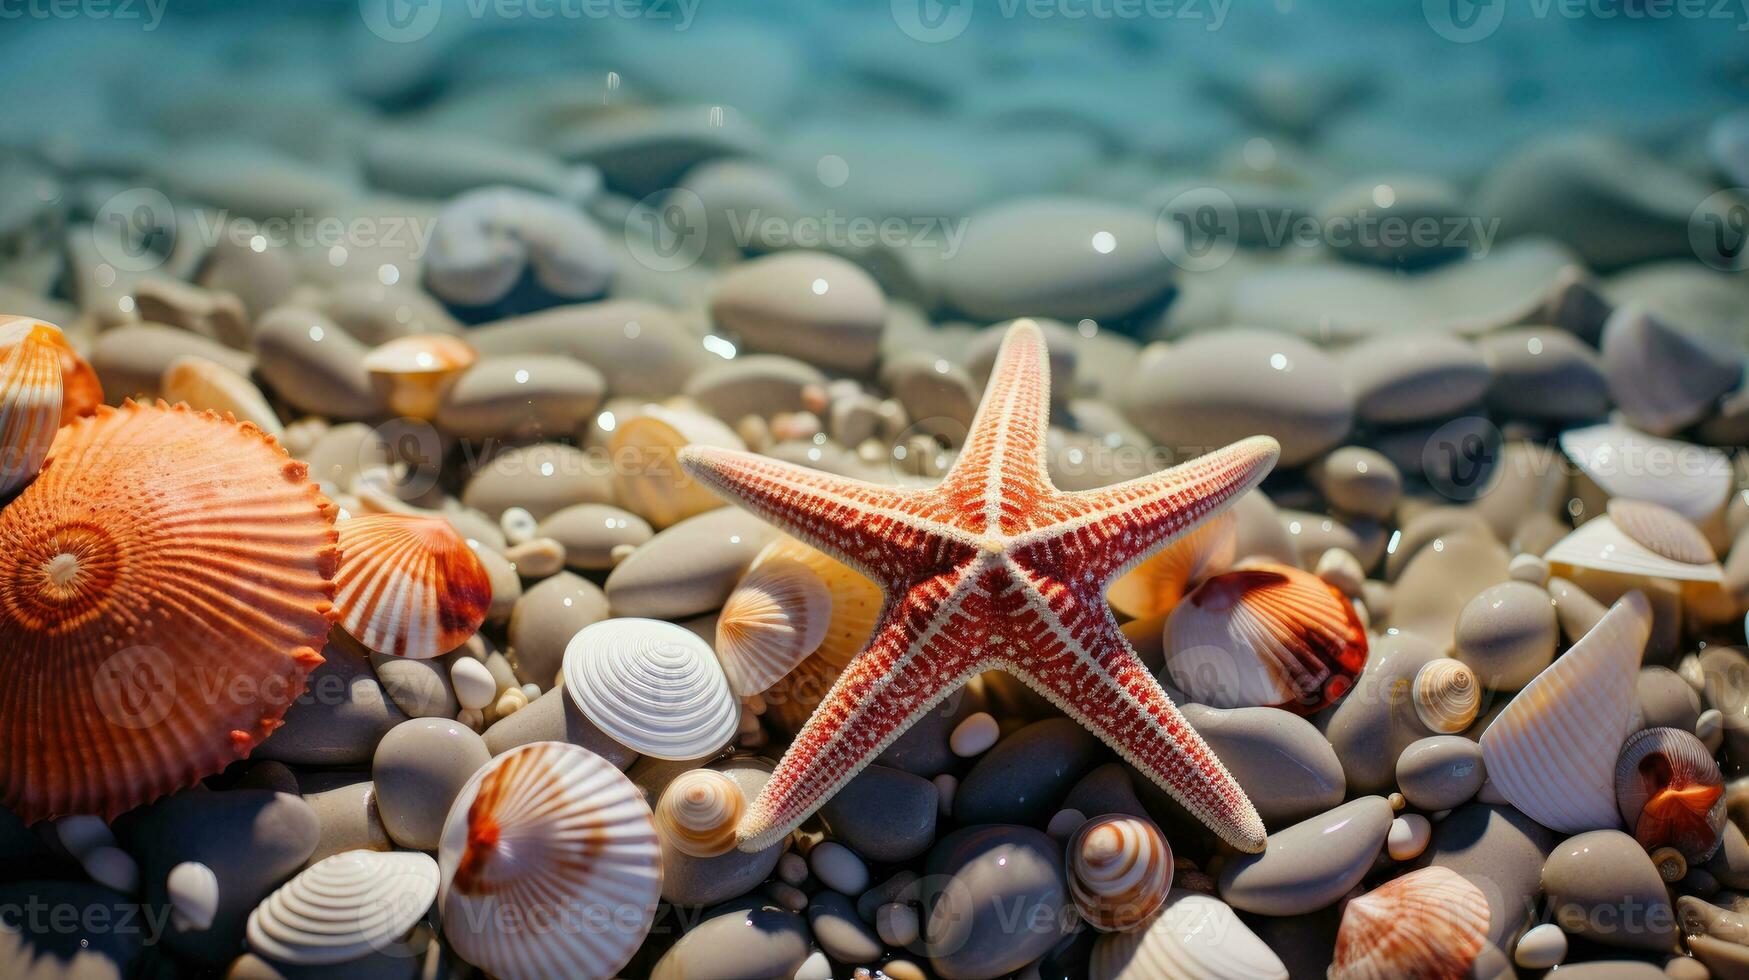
(418,769)
(1666,700)
(1280,760)
(689,568)
(1661,378)
(884,814)
(593,533)
(1575,609)
(542,479)
(1341,570)
(193,891)
(210,313)
(1501,851)
(1357,480)
(502,251)
(897,924)
(130,359)
(937,394)
(924,748)
(1372,726)
(88,945)
(1063,824)
(521,397)
(838,930)
(1310,864)
(420,688)
(349,820)
(554,717)
(545,619)
(1730,863)
(748,939)
(1440,772)
(1408,837)
(1601,885)
(1544,373)
(1527,568)
(254,180)
(536,558)
(838,867)
(1541,947)
(814,306)
(1405,207)
(1710,729)
(432,164)
(341,715)
(473,683)
(1441,580)
(648,353)
(693,881)
(975,735)
(113,868)
(314,364)
(762,385)
(1507,634)
(1413,376)
(1023,778)
(994,900)
(1107,789)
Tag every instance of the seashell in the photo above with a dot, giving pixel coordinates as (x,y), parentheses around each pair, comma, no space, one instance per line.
(193,890)
(1552,751)
(774,618)
(1691,480)
(1670,793)
(412,373)
(1265,634)
(1604,545)
(206,547)
(30,399)
(647,477)
(409,586)
(1429,924)
(1661,531)
(81,391)
(791,701)
(549,829)
(698,812)
(211,387)
(1447,695)
(1194,935)
(1153,587)
(1119,869)
(652,686)
(344,907)
(856,599)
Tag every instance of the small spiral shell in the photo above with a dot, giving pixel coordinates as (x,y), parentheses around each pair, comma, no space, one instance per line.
(1447,695)
(1671,793)
(698,812)
(1119,869)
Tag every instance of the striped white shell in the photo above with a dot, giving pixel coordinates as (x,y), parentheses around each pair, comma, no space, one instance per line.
(30,399)
(409,586)
(344,907)
(211,387)
(1671,793)
(1447,695)
(1662,531)
(1119,869)
(1552,751)
(1604,545)
(1153,587)
(652,686)
(412,373)
(777,615)
(1194,935)
(1692,480)
(647,478)
(856,600)
(698,812)
(1428,924)
(550,865)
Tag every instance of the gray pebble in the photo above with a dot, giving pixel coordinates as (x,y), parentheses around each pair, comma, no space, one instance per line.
(591,533)
(418,769)
(1413,376)
(1372,726)
(522,397)
(690,568)
(506,585)
(937,394)
(1440,773)
(1507,634)
(420,688)
(1024,778)
(884,814)
(1662,379)
(1311,864)
(1281,761)
(1501,851)
(339,454)
(315,365)
(810,305)
(649,354)
(1430,594)
(1544,373)
(349,820)
(1730,863)
(541,479)
(692,881)
(751,939)
(545,619)
(1107,789)
(994,900)
(923,749)
(1603,886)
(839,932)
(1666,700)
(130,359)
(756,384)
(1357,480)
(553,717)
(341,715)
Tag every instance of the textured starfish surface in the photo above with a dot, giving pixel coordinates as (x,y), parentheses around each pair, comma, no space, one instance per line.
(994,568)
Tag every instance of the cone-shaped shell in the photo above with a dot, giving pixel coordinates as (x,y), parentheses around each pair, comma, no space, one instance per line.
(777,615)
(81,392)
(1195,935)
(1153,587)
(856,600)
(413,372)
(648,479)
(1447,695)
(344,907)
(1428,924)
(409,586)
(1671,793)
(549,833)
(210,386)
(652,686)
(1694,482)
(1119,869)
(1552,751)
(698,812)
(1265,634)
(30,399)
(165,585)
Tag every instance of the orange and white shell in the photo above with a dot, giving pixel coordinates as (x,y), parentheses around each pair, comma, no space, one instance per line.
(1194,935)
(648,479)
(552,834)
(344,907)
(777,615)
(412,373)
(1265,634)
(1429,924)
(81,392)
(1119,869)
(1153,587)
(1447,695)
(856,599)
(698,811)
(409,586)
(1671,793)
(651,686)
(209,386)
(30,399)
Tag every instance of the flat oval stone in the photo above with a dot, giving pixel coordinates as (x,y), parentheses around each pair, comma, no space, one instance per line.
(1372,726)
(1666,700)
(840,932)
(341,715)
(349,820)
(1730,863)
(1663,379)
(1507,634)
(884,814)
(1429,597)
(757,384)
(591,533)
(1107,789)
(1440,773)
(337,455)
(546,617)
(1544,373)
(692,881)
(553,717)
(1603,886)
(648,352)
(1026,775)
(1310,864)
(937,394)
(420,688)
(522,397)
(754,939)
(1501,851)
(541,479)
(419,768)
(506,585)
(130,359)
(1281,762)
(689,568)
(1412,377)
(315,365)
(810,305)
(924,749)
(1358,480)
(255,180)
(994,900)
(89,945)
(1389,232)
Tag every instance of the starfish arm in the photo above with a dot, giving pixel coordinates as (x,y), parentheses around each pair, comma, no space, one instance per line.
(1000,475)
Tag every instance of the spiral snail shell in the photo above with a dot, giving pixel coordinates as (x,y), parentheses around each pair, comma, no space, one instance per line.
(1119,869)
(1671,793)
(697,813)
(1447,695)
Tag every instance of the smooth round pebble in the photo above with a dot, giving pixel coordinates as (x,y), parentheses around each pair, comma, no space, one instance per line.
(838,930)
(1528,568)
(750,938)
(474,685)
(593,534)
(838,868)
(975,735)
(946,785)
(1408,837)
(884,814)
(194,895)
(1595,879)
(1507,634)
(1440,772)
(112,868)
(811,305)
(1541,947)
(1065,823)
(1310,864)
(897,924)
(994,900)
(419,767)
(1357,480)
(792,868)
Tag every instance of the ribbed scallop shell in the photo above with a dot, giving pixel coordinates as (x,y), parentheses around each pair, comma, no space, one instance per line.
(1670,792)
(1603,545)
(1552,751)
(698,812)
(1691,480)
(777,615)
(1119,869)
(1153,587)
(1265,634)
(81,392)
(856,600)
(409,586)
(652,686)
(1428,924)
(165,585)
(344,907)
(1447,695)
(413,372)
(648,480)
(550,864)
(1661,531)
(1195,935)
(210,386)
(30,399)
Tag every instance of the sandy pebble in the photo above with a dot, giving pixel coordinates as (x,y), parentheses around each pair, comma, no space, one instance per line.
(592,534)
(792,868)
(420,688)
(474,686)
(537,558)
(839,931)
(418,769)
(522,396)
(193,891)
(545,619)
(689,568)
(1310,864)
(1341,569)
(818,966)
(1541,947)
(650,354)
(996,899)
(814,306)
(975,735)
(348,819)
(542,479)
(1528,568)
(1065,823)
(1665,700)
(519,525)
(1440,772)
(897,924)
(1507,634)
(315,365)
(1588,876)
(1413,377)
(1502,851)
(554,717)
(1408,837)
(754,384)
(838,868)
(789,896)
(130,359)
(1358,480)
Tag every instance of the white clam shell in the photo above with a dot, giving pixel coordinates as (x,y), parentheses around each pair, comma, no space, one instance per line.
(698,812)
(344,907)
(1662,531)
(212,387)
(1427,923)
(1119,869)
(30,400)
(776,616)
(1692,480)
(1552,751)
(1603,545)
(1447,695)
(550,865)
(652,686)
(1194,935)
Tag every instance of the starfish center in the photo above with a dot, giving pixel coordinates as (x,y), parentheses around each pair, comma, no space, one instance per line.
(992,546)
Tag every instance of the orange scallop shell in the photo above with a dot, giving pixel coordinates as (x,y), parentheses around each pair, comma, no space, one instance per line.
(81,392)
(165,585)
(409,585)
(30,399)
(1429,924)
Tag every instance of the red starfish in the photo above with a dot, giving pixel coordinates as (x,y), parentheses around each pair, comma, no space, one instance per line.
(994,568)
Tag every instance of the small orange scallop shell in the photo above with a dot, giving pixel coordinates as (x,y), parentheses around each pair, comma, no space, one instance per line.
(1119,870)
(776,616)
(697,813)
(30,399)
(409,586)
(856,600)
(413,372)
(1428,924)
(1670,792)
(165,585)
(1158,583)
(81,392)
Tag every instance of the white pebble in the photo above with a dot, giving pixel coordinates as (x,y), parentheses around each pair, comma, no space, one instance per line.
(974,736)
(1528,568)
(474,686)
(1341,569)
(945,785)
(815,967)
(1541,947)
(1066,822)
(792,869)
(1408,837)
(896,923)
(838,868)
(194,896)
(537,558)
(1710,729)
(519,525)
(531,691)
(83,833)
(113,868)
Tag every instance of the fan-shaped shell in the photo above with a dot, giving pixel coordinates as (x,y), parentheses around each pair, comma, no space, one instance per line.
(1119,869)
(550,865)
(165,585)
(81,392)
(1265,634)
(856,599)
(777,615)
(413,372)
(1552,751)
(344,907)
(652,686)
(30,399)
(409,586)
(1447,695)
(210,386)
(1691,480)
(1153,587)
(1604,545)
(1194,935)
(1429,924)
(1671,793)
(1661,531)
(698,812)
